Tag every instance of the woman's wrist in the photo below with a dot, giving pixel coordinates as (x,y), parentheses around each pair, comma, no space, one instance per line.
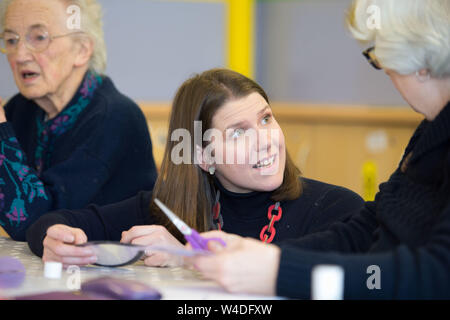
(273,267)
(2,113)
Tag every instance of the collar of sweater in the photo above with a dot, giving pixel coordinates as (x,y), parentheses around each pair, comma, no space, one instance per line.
(433,134)
(244,206)
(83,95)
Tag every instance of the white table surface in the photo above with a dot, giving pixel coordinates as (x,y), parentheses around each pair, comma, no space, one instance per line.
(173,283)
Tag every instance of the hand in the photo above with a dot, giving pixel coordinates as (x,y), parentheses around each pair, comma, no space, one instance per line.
(154,235)
(244,266)
(59,246)
(2,112)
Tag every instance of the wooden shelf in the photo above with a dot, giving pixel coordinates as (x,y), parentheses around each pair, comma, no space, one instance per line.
(310,113)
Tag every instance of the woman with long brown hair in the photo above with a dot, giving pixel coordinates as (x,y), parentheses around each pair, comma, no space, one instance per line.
(225,167)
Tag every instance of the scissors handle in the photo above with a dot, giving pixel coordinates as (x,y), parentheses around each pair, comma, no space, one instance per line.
(200,243)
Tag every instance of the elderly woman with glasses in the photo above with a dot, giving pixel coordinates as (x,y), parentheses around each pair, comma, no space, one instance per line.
(397,247)
(69,138)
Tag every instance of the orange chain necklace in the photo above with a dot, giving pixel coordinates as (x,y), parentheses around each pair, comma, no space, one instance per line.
(267,232)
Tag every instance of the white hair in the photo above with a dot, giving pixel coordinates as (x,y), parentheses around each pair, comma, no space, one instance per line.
(411,35)
(91,24)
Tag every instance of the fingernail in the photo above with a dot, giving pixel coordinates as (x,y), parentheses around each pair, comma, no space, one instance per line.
(93,259)
(69,238)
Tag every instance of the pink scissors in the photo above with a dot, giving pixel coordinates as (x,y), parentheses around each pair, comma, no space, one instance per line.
(192,236)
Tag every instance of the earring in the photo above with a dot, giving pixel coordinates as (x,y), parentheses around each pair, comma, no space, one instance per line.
(212,170)
(422,78)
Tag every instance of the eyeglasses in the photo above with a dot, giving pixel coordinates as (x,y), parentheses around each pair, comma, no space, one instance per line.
(37,40)
(371,58)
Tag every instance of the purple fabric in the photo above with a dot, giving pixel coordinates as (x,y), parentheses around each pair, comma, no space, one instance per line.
(12,273)
(120,289)
(60,295)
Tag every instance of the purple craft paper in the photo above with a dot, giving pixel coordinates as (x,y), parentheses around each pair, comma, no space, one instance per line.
(12,272)
(120,289)
(61,295)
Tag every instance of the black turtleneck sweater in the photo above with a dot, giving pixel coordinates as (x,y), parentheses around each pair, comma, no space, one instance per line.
(320,205)
(315,210)
(405,231)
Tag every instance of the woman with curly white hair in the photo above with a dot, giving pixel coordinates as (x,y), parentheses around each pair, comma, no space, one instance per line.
(398,246)
(69,138)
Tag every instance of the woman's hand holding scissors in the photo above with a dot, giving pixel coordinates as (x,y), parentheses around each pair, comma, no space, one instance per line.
(237,267)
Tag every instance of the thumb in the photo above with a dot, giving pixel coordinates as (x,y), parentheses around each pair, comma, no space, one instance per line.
(80,236)
(62,233)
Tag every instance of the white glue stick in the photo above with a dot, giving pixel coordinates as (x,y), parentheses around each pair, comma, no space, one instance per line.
(53,270)
(327,282)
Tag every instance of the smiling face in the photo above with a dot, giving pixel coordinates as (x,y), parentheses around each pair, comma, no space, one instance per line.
(253,136)
(38,74)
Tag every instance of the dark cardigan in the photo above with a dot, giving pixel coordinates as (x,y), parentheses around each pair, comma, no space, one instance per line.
(405,231)
(97,150)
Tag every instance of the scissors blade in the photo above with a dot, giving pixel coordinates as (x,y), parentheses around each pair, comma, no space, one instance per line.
(183,227)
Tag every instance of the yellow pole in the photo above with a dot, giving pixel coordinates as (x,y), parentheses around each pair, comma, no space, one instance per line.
(241,37)
(369,173)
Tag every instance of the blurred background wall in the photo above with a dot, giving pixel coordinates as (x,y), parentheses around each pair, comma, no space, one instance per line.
(305,53)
